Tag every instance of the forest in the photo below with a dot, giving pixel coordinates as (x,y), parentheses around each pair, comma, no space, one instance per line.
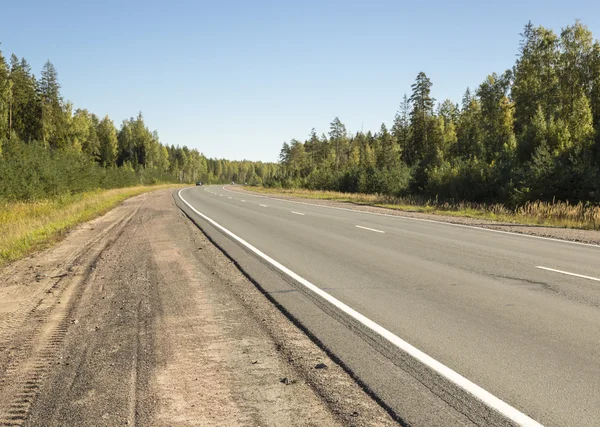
(529,133)
(49,149)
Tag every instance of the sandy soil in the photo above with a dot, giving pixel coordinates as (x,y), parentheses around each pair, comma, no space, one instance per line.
(137,319)
(583,236)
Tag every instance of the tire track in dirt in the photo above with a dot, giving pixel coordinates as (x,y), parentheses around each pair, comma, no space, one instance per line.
(42,322)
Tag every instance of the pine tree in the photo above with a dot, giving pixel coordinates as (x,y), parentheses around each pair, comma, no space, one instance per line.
(26,107)
(401,127)
(420,118)
(52,118)
(387,156)
(339,139)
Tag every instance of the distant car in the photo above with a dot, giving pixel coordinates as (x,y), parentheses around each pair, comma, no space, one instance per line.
(232,182)
(199,183)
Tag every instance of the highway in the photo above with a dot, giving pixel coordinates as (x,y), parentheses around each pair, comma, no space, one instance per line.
(505,328)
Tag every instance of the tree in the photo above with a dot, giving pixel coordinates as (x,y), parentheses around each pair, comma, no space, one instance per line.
(420,118)
(52,118)
(339,139)
(83,133)
(25,114)
(401,127)
(107,142)
(536,81)
(5,100)
(496,115)
(470,142)
(387,155)
(574,77)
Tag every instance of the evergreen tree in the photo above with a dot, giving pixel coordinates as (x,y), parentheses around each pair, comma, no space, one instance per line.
(401,127)
(25,107)
(107,142)
(339,140)
(420,118)
(52,117)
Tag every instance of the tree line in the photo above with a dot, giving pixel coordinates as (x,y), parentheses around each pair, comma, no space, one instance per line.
(531,132)
(48,148)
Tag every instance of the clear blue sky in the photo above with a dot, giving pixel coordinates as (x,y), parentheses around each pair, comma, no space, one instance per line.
(236,79)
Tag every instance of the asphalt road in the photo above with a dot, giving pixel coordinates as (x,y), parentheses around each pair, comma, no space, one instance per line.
(517,316)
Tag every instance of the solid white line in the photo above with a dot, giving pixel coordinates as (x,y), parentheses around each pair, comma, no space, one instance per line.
(569,274)
(486,397)
(264,206)
(370,229)
(426,220)
(297,213)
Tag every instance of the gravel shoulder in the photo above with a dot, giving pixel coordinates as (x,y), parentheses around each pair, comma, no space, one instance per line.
(136,318)
(575,235)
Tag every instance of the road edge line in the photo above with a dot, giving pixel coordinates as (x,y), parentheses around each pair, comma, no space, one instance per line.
(454,377)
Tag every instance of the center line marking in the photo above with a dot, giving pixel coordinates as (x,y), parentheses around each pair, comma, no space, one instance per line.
(370,229)
(569,274)
(264,206)
(297,213)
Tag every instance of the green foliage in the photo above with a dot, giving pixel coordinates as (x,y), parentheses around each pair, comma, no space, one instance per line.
(47,150)
(529,133)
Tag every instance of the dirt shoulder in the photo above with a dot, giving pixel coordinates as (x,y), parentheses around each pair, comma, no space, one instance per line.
(582,236)
(137,319)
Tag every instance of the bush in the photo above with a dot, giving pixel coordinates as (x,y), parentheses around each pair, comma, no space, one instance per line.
(32,172)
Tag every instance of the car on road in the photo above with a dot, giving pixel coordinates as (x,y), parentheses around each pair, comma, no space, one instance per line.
(198,182)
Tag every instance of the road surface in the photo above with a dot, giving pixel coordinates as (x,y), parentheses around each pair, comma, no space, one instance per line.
(514,316)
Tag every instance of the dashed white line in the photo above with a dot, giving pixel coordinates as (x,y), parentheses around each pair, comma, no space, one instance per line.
(230,197)
(264,206)
(243,201)
(569,274)
(491,230)
(370,229)
(470,387)
(297,213)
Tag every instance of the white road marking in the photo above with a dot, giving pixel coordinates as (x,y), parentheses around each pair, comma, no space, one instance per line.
(370,229)
(426,220)
(297,213)
(569,274)
(243,201)
(484,396)
(264,206)
(230,197)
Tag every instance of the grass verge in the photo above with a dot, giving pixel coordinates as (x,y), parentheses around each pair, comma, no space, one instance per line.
(556,214)
(29,226)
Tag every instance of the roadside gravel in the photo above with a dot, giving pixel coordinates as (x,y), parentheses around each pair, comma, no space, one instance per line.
(136,318)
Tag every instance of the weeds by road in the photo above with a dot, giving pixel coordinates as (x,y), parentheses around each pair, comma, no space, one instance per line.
(29,226)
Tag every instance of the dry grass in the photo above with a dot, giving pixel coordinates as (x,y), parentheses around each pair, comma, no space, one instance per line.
(556,214)
(29,226)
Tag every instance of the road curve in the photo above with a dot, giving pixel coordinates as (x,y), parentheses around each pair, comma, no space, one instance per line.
(517,317)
